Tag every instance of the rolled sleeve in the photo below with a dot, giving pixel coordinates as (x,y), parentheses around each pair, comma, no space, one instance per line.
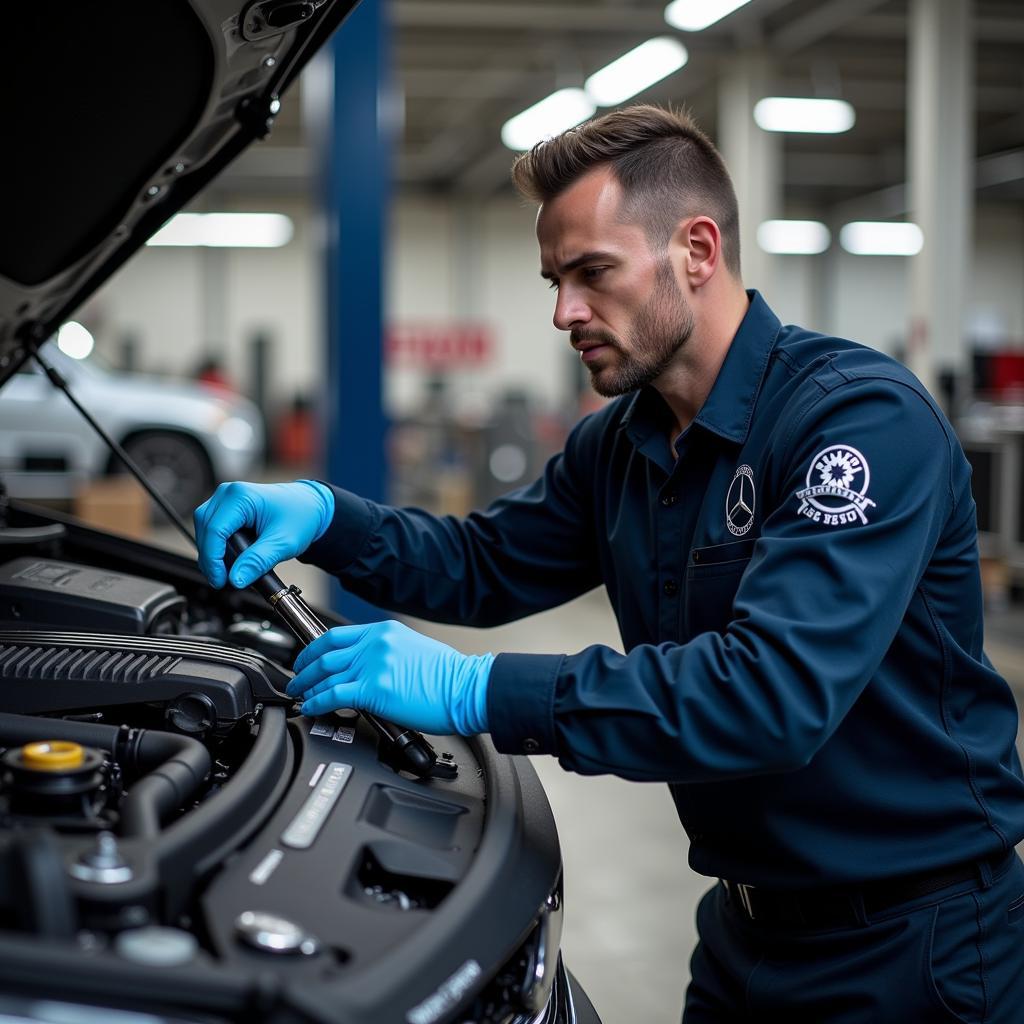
(520,702)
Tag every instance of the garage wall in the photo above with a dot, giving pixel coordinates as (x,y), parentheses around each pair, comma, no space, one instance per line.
(996,298)
(455,261)
(179,304)
(478,262)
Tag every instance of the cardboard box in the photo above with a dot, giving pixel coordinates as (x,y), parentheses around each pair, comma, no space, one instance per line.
(116,503)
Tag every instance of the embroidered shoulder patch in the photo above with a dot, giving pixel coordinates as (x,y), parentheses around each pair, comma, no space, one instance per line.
(836,487)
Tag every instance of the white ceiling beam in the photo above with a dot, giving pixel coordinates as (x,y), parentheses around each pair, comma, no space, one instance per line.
(847,170)
(986,29)
(880,95)
(999,169)
(488,82)
(821,21)
(539,17)
(488,173)
(892,201)
(1003,134)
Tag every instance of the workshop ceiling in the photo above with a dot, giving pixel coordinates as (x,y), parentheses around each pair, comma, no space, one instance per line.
(463,67)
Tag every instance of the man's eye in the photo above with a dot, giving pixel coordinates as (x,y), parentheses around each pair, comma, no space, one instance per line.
(553,283)
(593,273)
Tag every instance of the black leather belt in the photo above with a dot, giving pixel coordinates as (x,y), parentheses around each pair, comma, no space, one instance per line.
(821,908)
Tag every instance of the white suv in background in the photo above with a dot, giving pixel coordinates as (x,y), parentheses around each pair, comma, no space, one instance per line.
(185,436)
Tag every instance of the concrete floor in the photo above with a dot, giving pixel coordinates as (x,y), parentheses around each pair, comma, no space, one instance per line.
(630,896)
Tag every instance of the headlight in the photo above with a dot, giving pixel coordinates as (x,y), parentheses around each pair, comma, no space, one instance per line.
(526,989)
(236,434)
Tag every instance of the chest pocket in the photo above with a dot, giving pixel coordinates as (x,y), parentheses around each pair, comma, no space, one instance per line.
(712,578)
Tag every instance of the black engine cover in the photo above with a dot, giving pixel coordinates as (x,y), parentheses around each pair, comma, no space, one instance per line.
(45,592)
(44,672)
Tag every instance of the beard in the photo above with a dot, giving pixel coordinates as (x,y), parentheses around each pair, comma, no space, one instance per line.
(660,329)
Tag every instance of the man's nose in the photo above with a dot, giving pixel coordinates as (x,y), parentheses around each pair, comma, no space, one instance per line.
(570,309)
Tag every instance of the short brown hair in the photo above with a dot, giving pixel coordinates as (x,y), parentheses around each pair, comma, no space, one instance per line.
(667,167)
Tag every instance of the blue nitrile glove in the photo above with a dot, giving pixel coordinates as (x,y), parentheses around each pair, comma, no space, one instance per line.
(287,518)
(394,672)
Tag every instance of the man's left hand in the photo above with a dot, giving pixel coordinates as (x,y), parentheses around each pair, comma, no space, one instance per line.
(394,672)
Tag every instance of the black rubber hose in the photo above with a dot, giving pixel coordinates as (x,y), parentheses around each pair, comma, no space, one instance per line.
(180,764)
(16,730)
(174,766)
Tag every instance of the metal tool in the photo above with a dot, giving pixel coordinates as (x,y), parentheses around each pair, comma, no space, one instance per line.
(406,749)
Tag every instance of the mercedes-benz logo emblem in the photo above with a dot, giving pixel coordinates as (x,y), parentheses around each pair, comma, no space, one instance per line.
(740,502)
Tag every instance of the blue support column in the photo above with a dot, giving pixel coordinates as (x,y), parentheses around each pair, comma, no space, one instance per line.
(358,156)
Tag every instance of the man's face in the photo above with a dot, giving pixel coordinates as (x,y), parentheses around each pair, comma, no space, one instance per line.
(619,300)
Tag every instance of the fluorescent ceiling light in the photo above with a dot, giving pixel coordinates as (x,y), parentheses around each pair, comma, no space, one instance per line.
(553,114)
(693,15)
(793,237)
(881,238)
(635,71)
(795,114)
(74,340)
(232,230)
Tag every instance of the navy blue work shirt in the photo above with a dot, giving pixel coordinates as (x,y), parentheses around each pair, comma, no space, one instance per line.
(799,600)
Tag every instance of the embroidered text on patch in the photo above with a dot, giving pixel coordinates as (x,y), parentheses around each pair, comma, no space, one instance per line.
(837,482)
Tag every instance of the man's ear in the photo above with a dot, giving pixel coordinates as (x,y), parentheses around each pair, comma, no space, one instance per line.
(700,241)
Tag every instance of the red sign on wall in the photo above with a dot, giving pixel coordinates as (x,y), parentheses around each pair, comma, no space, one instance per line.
(438,346)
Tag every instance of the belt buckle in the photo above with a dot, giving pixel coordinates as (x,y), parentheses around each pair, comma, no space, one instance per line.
(742,891)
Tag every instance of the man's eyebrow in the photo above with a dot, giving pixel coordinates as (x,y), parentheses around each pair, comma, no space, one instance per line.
(597,254)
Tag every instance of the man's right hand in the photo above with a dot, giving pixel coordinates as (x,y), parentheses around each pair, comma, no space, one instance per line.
(287,518)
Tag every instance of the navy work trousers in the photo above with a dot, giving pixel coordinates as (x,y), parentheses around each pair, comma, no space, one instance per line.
(955,955)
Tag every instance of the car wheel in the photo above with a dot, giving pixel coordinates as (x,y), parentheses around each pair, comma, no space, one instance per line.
(175,465)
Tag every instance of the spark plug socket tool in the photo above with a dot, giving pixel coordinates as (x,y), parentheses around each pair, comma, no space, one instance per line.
(405,749)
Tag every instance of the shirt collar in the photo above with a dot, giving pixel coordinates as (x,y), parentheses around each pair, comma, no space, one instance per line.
(728,409)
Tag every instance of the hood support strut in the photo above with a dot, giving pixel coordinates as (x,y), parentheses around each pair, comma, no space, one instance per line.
(58,381)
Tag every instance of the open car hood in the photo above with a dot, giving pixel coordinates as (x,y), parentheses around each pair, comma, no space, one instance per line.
(121,113)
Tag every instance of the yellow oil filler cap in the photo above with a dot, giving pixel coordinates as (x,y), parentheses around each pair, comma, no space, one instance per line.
(52,756)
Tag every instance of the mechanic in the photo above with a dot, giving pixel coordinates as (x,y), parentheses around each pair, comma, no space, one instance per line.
(785,527)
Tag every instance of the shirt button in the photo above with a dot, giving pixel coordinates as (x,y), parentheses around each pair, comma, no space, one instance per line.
(530,746)
(668,499)
(671,588)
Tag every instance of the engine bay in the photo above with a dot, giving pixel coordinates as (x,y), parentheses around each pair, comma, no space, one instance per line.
(179,838)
